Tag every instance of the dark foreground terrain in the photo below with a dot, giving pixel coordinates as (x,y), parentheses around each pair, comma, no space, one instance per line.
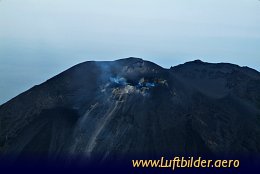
(131,107)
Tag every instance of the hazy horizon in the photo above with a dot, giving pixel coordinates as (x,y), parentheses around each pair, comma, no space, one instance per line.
(39,39)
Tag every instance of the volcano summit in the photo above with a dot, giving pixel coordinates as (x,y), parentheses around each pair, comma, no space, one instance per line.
(133,107)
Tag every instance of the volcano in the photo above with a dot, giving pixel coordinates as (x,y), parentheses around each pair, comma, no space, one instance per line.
(132,107)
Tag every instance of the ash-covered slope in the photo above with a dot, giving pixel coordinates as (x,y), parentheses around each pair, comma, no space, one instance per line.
(132,107)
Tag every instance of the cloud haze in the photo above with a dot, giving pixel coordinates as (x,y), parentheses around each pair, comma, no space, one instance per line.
(39,39)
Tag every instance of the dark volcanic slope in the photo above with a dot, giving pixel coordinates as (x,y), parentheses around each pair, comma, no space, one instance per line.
(131,107)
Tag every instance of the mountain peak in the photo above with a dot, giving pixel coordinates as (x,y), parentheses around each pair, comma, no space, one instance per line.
(197,61)
(127,107)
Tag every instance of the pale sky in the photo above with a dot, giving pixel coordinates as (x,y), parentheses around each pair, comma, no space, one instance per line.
(41,38)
